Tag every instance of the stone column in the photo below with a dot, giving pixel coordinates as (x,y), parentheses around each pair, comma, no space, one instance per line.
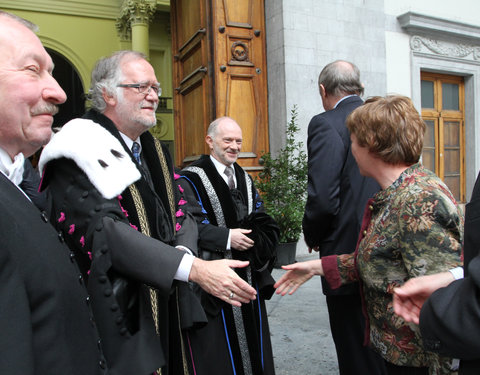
(134,23)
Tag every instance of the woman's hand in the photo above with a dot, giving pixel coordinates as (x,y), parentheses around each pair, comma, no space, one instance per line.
(297,274)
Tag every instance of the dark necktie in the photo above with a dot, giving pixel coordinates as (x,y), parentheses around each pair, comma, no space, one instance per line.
(229,173)
(142,166)
(136,152)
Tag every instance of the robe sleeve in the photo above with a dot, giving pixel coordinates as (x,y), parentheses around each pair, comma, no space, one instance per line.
(211,237)
(97,227)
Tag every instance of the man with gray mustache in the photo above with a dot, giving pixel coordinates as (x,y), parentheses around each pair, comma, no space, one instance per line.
(114,199)
(46,324)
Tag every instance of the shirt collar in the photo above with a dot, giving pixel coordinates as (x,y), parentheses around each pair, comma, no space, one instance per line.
(129,142)
(220,166)
(341,100)
(13,170)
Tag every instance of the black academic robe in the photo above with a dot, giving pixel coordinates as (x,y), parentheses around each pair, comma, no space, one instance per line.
(46,325)
(123,244)
(235,340)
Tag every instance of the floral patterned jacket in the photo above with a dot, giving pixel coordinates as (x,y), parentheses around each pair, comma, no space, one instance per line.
(411,228)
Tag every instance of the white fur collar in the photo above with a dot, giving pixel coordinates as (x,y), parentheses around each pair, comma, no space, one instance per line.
(86,143)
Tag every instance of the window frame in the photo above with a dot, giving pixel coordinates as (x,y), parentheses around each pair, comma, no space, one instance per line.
(440,117)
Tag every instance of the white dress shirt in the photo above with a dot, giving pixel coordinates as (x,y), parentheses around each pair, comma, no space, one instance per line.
(221,171)
(13,170)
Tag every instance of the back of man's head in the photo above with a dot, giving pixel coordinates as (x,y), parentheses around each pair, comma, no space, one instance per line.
(106,74)
(341,78)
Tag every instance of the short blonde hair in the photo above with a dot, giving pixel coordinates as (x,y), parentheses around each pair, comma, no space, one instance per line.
(390,127)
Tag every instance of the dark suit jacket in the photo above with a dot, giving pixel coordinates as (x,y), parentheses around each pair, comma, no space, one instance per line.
(450,318)
(46,327)
(337,192)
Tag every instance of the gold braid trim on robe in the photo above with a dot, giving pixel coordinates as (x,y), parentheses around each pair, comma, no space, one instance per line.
(171,201)
(145,229)
(168,180)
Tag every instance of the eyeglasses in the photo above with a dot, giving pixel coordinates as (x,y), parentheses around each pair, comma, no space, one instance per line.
(143,88)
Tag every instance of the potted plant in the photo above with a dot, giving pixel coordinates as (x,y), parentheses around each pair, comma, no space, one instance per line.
(283,187)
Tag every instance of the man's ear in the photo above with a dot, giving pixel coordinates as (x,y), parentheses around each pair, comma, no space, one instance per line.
(110,99)
(209,141)
(323,92)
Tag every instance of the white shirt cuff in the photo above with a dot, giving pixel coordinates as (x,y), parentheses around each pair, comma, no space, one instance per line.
(229,239)
(184,248)
(183,270)
(457,273)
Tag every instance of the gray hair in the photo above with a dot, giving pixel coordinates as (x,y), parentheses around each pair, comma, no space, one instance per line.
(340,78)
(212,128)
(106,75)
(20,20)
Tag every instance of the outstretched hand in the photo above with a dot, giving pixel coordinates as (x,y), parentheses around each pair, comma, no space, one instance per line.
(296,275)
(410,297)
(219,279)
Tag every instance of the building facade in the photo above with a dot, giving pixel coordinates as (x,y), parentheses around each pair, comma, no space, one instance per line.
(428,50)
(78,33)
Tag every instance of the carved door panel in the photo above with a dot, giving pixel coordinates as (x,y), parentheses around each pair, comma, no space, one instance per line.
(221,72)
(192,83)
(240,72)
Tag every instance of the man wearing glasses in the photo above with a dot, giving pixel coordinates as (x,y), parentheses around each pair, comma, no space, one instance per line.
(113,198)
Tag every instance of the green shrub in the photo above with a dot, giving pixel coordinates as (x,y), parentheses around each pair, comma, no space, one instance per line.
(283,183)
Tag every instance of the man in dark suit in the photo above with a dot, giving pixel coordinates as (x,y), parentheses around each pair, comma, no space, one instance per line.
(337,194)
(46,325)
(450,317)
(113,196)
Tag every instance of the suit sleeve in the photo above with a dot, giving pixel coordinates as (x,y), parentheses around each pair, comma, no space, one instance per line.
(450,319)
(213,238)
(16,345)
(326,156)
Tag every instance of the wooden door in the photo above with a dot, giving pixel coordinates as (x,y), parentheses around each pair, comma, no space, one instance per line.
(192,80)
(219,70)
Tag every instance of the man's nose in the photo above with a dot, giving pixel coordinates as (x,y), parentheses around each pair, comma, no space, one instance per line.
(52,91)
(152,95)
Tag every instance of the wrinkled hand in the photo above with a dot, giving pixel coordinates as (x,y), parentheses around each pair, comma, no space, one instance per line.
(219,279)
(239,240)
(296,275)
(410,297)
